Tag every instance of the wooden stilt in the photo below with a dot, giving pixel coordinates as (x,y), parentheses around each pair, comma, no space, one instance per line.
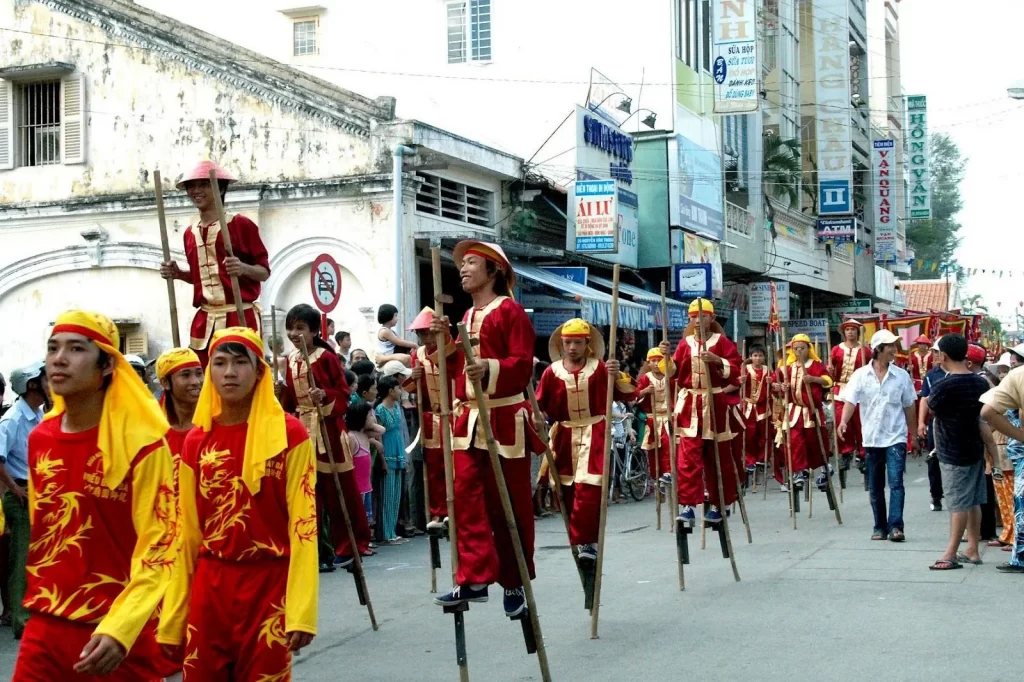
(682,548)
(172,299)
(236,293)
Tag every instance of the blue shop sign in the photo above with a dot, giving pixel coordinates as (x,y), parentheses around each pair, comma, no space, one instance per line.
(597,133)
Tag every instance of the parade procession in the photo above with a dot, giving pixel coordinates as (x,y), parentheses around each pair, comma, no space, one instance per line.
(505,342)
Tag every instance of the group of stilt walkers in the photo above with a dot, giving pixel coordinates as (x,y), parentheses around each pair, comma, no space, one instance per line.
(214,495)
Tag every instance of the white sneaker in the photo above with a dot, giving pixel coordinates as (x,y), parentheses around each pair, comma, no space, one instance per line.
(783,488)
(435,525)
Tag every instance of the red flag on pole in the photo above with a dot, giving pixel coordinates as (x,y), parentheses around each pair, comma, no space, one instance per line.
(774,323)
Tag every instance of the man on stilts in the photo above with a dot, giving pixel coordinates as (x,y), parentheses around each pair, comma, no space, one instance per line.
(700,371)
(572,393)
(846,358)
(102,512)
(921,361)
(425,383)
(210,269)
(806,380)
(652,390)
(504,366)
(328,403)
(755,386)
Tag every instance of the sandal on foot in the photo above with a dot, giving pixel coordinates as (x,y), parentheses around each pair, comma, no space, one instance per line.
(878,535)
(964,559)
(944,565)
(897,536)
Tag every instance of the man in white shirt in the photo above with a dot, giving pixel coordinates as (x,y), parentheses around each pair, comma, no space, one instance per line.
(886,396)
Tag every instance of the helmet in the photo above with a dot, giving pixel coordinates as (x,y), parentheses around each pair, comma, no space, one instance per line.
(21,376)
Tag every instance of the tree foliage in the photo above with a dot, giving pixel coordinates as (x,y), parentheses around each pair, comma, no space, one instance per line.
(936,240)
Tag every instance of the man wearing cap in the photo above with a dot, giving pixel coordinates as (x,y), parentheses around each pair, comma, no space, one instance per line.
(806,381)
(504,367)
(572,393)
(845,359)
(707,363)
(29,384)
(425,382)
(103,513)
(652,390)
(885,395)
(921,361)
(210,269)
(243,594)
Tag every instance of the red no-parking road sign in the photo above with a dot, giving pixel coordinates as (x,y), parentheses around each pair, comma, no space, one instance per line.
(325,281)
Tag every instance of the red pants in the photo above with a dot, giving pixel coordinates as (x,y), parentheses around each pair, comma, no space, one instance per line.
(663,452)
(757,435)
(807,451)
(327,494)
(433,459)
(199,324)
(236,622)
(852,442)
(485,545)
(50,647)
(697,471)
(584,504)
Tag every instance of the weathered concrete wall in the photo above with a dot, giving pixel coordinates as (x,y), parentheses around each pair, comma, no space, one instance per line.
(145,111)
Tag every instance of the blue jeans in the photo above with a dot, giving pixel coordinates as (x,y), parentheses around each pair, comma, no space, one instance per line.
(891,462)
(1017,557)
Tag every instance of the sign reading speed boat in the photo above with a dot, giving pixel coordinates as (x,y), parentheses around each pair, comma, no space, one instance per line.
(596,216)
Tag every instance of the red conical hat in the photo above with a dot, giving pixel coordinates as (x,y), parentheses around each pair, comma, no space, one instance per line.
(852,324)
(422,320)
(202,172)
(491,252)
(923,339)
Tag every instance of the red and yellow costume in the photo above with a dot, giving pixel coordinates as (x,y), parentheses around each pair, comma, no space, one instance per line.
(211,285)
(655,406)
(167,364)
(755,386)
(844,361)
(921,361)
(694,379)
(575,401)
(247,572)
(506,341)
(329,378)
(806,424)
(102,509)
(428,389)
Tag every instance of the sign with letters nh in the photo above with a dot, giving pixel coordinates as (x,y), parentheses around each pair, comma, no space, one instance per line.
(832,95)
(734,49)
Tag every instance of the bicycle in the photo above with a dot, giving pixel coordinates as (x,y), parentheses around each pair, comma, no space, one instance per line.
(630,463)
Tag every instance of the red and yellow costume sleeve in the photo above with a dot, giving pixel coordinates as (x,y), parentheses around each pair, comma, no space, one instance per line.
(154,519)
(174,615)
(300,492)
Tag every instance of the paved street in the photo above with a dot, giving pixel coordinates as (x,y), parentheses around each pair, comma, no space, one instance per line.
(822,602)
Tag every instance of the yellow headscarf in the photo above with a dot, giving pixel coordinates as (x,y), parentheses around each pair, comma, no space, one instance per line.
(131,418)
(174,360)
(267,436)
(801,338)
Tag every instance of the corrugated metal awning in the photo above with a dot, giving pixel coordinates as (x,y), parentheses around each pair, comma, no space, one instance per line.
(596,306)
(676,309)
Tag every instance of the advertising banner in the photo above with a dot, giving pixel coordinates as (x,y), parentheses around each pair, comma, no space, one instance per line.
(698,185)
(734,50)
(832,95)
(761,301)
(596,217)
(918,157)
(814,328)
(697,250)
(883,162)
(837,230)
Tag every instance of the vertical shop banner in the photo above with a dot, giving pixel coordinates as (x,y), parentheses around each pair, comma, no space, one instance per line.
(734,50)
(604,152)
(918,157)
(883,163)
(832,94)
(698,184)
(596,216)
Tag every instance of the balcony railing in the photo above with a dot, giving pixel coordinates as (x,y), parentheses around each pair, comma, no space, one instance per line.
(739,221)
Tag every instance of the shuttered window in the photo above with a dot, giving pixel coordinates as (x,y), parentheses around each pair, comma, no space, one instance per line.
(42,122)
(454,201)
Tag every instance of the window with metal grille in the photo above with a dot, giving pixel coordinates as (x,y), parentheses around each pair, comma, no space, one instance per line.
(304,37)
(454,201)
(37,123)
(469,31)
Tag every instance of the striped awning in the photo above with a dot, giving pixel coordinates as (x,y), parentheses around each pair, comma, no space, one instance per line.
(677,317)
(595,306)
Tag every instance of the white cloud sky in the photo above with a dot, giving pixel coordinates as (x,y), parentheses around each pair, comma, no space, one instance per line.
(963,57)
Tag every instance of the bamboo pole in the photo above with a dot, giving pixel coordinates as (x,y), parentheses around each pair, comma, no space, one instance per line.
(236,292)
(740,493)
(835,417)
(821,444)
(785,430)
(709,398)
(657,430)
(769,373)
(446,425)
(172,298)
(549,456)
(420,395)
(484,420)
(673,463)
(356,558)
(273,342)
(595,612)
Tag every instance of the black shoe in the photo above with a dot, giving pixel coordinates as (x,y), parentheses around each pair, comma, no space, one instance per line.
(327,568)
(587,552)
(515,602)
(936,505)
(1005,568)
(862,466)
(462,594)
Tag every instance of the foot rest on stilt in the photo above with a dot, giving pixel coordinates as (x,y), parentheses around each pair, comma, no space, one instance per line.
(589,571)
(435,551)
(683,530)
(528,636)
(460,631)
